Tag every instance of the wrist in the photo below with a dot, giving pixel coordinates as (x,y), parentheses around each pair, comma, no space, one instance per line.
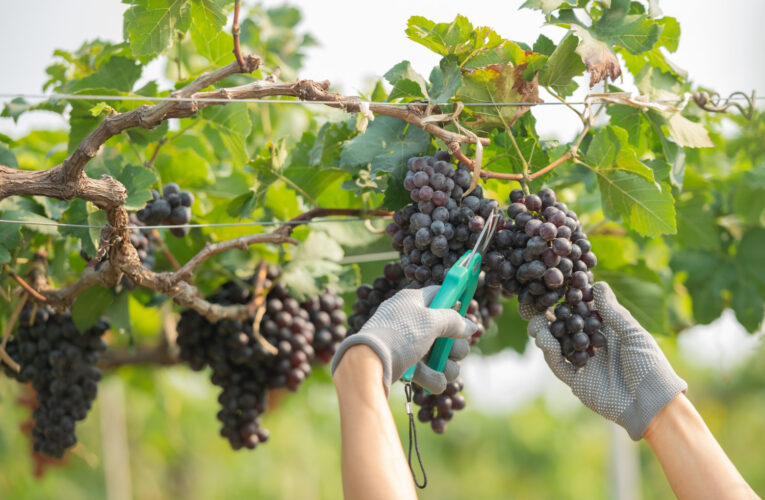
(359,367)
(678,416)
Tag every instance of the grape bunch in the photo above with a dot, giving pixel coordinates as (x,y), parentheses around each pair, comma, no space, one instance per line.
(170,209)
(545,258)
(431,234)
(438,409)
(144,241)
(60,362)
(328,318)
(243,366)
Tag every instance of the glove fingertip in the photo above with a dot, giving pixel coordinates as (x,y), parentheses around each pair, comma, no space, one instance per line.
(429,379)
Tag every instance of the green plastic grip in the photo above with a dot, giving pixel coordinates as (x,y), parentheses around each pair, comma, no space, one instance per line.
(459,285)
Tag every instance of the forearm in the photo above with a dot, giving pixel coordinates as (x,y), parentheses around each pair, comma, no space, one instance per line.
(694,463)
(373,460)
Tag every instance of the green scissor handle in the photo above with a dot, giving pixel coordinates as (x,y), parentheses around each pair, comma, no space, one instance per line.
(459,285)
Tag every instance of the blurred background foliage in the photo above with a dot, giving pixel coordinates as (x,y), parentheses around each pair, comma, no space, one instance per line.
(539,450)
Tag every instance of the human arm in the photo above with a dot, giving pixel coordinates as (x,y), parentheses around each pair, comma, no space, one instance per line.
(373,460)
(397,336)
(692,459)
(631,382)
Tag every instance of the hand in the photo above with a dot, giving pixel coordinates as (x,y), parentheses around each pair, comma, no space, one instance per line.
(628,381)
(401,332)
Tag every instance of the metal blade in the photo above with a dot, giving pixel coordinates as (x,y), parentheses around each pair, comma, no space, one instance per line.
(484,238)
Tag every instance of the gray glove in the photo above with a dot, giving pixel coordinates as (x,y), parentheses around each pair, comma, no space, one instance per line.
(628,381)
(401,332)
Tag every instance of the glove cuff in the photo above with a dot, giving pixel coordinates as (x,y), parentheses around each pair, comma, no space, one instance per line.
(656,390)
(373,343)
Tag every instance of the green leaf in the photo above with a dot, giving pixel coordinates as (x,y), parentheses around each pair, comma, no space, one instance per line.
(207,19)
(749,196)
(82,212)
(102,109)
(118,73)
(696,227)
(445,79)
(232,124)
(561,67)
(708,276)
(496,83)
(547,6)
(89,306)
(544,45)
(7,157)
(149,25)
(407,89)
(634,122)
(642,204)
(387,143)
(747,304)
(670,33)
(27,216)
(636,33)
(406,82)
(313,265)
(639,290)
(5,256)
(10,240)
(183,166)
(441,38)
(457,38)
(395,194)
(18,106)
(750,259)
(118,313)
(605,146)
(687,133)
(81,120)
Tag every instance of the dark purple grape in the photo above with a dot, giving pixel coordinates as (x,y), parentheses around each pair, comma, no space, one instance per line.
(574,323)
(533,203)
(516,196)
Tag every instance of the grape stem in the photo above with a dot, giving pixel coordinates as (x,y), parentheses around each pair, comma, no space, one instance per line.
(4,356)
(26,286)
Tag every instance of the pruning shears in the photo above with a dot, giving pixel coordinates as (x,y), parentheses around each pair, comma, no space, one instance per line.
(459,285)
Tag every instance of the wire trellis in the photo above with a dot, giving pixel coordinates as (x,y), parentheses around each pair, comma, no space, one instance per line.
(737,96)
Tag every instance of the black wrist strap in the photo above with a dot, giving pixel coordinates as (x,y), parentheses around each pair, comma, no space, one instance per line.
(413,439)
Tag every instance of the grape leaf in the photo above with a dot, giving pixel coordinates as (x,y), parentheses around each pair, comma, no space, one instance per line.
(597,57)
(547,6)
(696,226)
(387,143)
(707,277)
(10,239)
(631,120)
(232,125)
(18,106)
(445,79)
(118,313)
(749,196)
(395,194)
(687,133)
(118,73)
(82,212)
(7,157)
(605,145)
(81,121)
(750,258)
(149,25)
(90,305)
(313,266)
(561,67)
(636,33)
(670,33)
(457,38)
(406,82)
(207,18)
(639,290)
(496,83)
(747,303)
(183,166)
(544,46)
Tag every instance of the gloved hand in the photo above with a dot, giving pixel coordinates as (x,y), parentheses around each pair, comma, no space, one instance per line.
(401,332)
(628,381)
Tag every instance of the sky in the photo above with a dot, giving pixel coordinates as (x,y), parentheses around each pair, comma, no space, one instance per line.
(359,41)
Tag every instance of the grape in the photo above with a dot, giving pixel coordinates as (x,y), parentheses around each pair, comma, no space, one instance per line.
(533,202)
(172,208)
(548,231)
(60,362)
(574,323)
(244,368)
(553,278)
(578,280)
